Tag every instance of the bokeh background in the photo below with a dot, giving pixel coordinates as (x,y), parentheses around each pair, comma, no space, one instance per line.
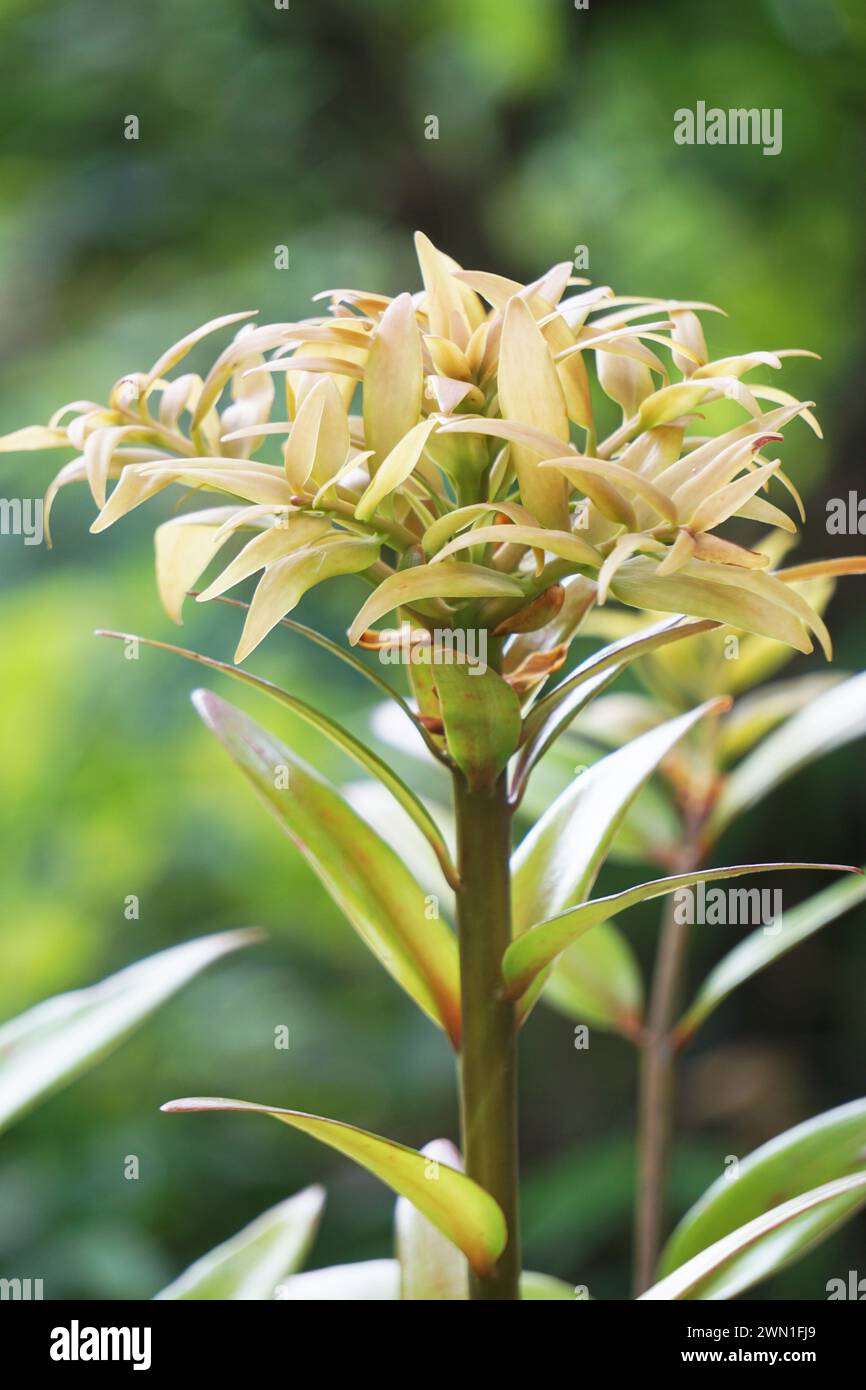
(305,127)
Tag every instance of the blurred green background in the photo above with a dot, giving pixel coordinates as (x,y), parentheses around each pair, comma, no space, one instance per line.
(305,127)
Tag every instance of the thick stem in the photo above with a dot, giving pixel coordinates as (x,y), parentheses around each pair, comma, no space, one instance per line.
(488,1061)
(656,1086)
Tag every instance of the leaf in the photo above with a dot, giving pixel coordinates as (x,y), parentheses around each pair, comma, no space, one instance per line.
(251,1264)
(530,391)
(179,350)
(562,543)
(555,712)
(451,579)
(338,736)
(285,582)
(597,981)
(781,1175)
(535,949)
(47,1047)
(185,547)
(835,718)
(291,534)
(760,948)
(455,1205)
(34,437)
(365,1281)
(557,861)
(481,714)
(432,1269)
(393,379)
(746,599)
(363,875)
(395,469)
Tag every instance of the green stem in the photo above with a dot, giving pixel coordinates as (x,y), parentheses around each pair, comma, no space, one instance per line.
(488,1062)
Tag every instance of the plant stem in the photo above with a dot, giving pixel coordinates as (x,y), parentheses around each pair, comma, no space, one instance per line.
(488,1062)
(656,1084)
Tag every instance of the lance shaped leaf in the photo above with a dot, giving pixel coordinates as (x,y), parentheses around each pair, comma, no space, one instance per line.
(774,1194)
(265,549)
(747,599)
(760,948)
(455,1205)
(481,714)
(251,1264)
(393,379)
(833,719)
(532,952)
(334,732)
(363,875)
(47,1047)
(530,391)
(562,543)
(451,579)
(557,861)
(284,583)
(555,712)
(395,469)
(185,547)
(176,353)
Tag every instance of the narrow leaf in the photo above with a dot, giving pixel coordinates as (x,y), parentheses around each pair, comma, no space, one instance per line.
(251,1264)
(534,950)
(47,1047)
(364,876)
(455,1205)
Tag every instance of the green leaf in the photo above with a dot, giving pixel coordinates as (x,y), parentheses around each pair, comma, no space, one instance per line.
(455,1205)
(558,860)
(340,737)
(431,1267)
(450,579)
(532,952)
(47,1047)
(835,718)
(781,1174)
(481,714)
(555,712)
(251,1264)
(760,948)
(364,876)
(597,981)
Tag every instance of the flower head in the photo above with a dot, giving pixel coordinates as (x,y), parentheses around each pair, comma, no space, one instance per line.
(468,477)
